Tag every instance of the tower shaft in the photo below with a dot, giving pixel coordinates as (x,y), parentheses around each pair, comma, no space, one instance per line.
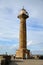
(22,33)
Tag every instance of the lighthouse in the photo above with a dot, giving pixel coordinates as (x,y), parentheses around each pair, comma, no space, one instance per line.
(23,52)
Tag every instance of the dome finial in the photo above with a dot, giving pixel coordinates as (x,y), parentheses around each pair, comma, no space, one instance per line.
(23,7)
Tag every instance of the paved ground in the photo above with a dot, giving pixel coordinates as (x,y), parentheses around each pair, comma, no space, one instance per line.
(27,62)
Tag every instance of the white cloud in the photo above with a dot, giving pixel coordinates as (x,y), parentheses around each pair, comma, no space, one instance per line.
(1,34)
(29,43)
(9,35)
(5,39)
(14,46)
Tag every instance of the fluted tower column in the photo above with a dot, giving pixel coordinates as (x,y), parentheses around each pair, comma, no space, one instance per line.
(22,33)
(23,16)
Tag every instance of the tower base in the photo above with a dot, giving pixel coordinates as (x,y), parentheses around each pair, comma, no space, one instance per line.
(23,54)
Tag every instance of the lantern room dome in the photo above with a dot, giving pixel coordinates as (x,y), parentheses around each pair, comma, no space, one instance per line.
(23,12)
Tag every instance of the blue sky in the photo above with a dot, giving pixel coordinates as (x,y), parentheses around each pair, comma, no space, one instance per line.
(10,25)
